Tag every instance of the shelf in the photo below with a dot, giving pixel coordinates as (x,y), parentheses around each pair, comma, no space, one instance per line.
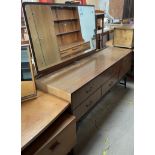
(62,20)
(63,33)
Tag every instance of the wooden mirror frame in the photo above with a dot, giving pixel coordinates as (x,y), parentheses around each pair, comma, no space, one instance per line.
(61,64)
(28,87)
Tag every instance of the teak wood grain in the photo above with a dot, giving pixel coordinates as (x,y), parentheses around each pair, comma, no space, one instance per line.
(38,114)
(66,81)
(123,37)
(109,43)
(43,35)
(54,140)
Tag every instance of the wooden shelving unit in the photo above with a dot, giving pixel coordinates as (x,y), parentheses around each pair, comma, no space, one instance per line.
(55,30)
(68,32)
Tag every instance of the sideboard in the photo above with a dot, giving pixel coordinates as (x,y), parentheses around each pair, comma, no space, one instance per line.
(87,80)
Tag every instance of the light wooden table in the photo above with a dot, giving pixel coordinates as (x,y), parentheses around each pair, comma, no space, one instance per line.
(110,29)
(109,43)
(71,78)
(38,114)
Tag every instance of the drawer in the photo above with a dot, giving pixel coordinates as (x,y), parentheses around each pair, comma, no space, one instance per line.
(125,66)
(62,143)
(71,51)
(86,46)
(87,104)
(111,72)
(76,49)
(56,140)
(80,95)
(66,53)
(109,84)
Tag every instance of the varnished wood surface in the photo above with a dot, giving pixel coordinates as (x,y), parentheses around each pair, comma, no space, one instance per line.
(57,133)
(123,37)
(28,89)
(38,114)
(69,79)
(109,43)
(43,35)
(65,47)
(110,28)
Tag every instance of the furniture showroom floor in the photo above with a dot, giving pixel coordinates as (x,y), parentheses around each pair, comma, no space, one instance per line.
(108,129)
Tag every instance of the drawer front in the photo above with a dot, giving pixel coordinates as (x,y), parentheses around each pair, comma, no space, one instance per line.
(80,95)
(125,66)
(86,46)
(113,71)
(62,143)
(76,49)
(70,52)
(87,104)
(109,84)
(66,53)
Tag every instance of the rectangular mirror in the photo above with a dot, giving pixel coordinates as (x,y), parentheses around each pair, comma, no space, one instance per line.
(28,88)
(60,32)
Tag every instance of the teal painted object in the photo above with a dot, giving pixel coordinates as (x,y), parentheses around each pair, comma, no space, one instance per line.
(87,23)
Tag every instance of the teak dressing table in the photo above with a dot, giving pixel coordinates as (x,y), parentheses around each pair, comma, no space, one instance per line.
(85,82)
(46,125)
(41,134)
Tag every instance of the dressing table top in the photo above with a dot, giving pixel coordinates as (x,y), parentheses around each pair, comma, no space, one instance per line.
(37,114)
(69,79)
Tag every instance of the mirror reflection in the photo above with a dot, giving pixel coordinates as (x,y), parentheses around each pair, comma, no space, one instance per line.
(60,32)
(28,89)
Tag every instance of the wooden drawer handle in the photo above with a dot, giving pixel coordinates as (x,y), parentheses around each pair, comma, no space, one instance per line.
(54,146)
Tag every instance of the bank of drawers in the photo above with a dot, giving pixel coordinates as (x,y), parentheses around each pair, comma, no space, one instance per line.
(83,93)
(109,83)
(74,50)
(89,94)
(95,96)
(56,140)
(86,105)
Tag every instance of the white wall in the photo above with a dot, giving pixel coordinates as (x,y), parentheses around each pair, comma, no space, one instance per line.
(103,5)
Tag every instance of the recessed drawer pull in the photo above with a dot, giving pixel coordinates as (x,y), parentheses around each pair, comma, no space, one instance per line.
(75,48)
(90,102)
(54,146)
(89,90)
(110,84)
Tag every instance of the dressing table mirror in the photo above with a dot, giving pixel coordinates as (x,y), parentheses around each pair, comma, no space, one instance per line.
(59,33)
(28,88)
